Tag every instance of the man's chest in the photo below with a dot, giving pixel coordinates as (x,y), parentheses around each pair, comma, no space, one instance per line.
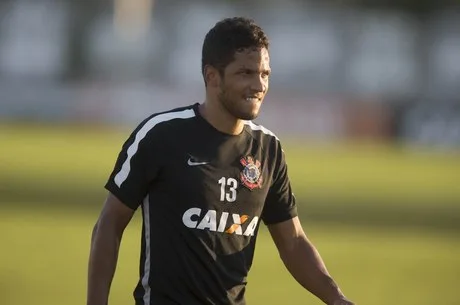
(230,176)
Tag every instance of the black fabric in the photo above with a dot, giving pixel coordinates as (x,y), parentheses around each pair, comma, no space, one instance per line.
(202,195)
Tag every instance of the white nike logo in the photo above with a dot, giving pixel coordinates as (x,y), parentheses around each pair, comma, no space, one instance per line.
(193,163)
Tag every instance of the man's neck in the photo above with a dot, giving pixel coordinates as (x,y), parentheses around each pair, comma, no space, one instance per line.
(220,118)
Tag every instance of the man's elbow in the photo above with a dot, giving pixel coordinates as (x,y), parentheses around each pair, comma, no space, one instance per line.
(106,230)
(289,247)
(94,231)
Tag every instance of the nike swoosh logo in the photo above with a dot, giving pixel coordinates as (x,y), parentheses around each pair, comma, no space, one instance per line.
(193,163)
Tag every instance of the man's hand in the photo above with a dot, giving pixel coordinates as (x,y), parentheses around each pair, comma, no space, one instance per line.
(304,262)
(343,301)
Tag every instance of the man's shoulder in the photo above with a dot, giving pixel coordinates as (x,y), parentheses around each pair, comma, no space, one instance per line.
(167,117)
(160,124)
(184,112)
(261,132)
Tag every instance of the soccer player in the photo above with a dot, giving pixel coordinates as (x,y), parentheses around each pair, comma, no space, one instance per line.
(205,176)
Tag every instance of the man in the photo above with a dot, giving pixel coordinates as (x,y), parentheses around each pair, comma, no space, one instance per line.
(204,175)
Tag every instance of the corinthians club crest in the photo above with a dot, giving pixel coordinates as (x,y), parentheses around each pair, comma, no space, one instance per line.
(251,175)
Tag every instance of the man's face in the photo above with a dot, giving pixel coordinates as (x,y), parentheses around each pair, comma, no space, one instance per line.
(245,83)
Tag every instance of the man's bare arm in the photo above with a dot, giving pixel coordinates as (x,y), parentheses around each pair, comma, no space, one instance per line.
(304,262)
(105,244)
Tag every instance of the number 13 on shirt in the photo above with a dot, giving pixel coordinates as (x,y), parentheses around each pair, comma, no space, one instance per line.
(228,189)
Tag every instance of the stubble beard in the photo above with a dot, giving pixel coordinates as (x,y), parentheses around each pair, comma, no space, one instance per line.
(230,106)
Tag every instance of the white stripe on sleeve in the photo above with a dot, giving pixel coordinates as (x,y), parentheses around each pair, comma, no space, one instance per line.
(122,175)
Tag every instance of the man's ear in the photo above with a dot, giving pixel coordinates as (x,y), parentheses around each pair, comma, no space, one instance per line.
(211,76)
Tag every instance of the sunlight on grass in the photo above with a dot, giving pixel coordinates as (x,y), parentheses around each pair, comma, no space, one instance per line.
(373,266)
(85,158)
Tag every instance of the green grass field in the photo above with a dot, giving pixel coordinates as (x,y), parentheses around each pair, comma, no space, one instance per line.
(386,220)
(46,256)
(82,157)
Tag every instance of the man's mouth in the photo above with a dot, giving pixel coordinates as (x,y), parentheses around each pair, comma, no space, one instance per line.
(252,99)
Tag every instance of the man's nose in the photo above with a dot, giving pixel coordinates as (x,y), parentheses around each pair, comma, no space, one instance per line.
(259,84)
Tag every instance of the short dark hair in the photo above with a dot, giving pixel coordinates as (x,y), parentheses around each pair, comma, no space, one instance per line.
(229,36)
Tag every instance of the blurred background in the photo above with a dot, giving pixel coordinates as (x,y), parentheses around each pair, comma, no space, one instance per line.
(364,95)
